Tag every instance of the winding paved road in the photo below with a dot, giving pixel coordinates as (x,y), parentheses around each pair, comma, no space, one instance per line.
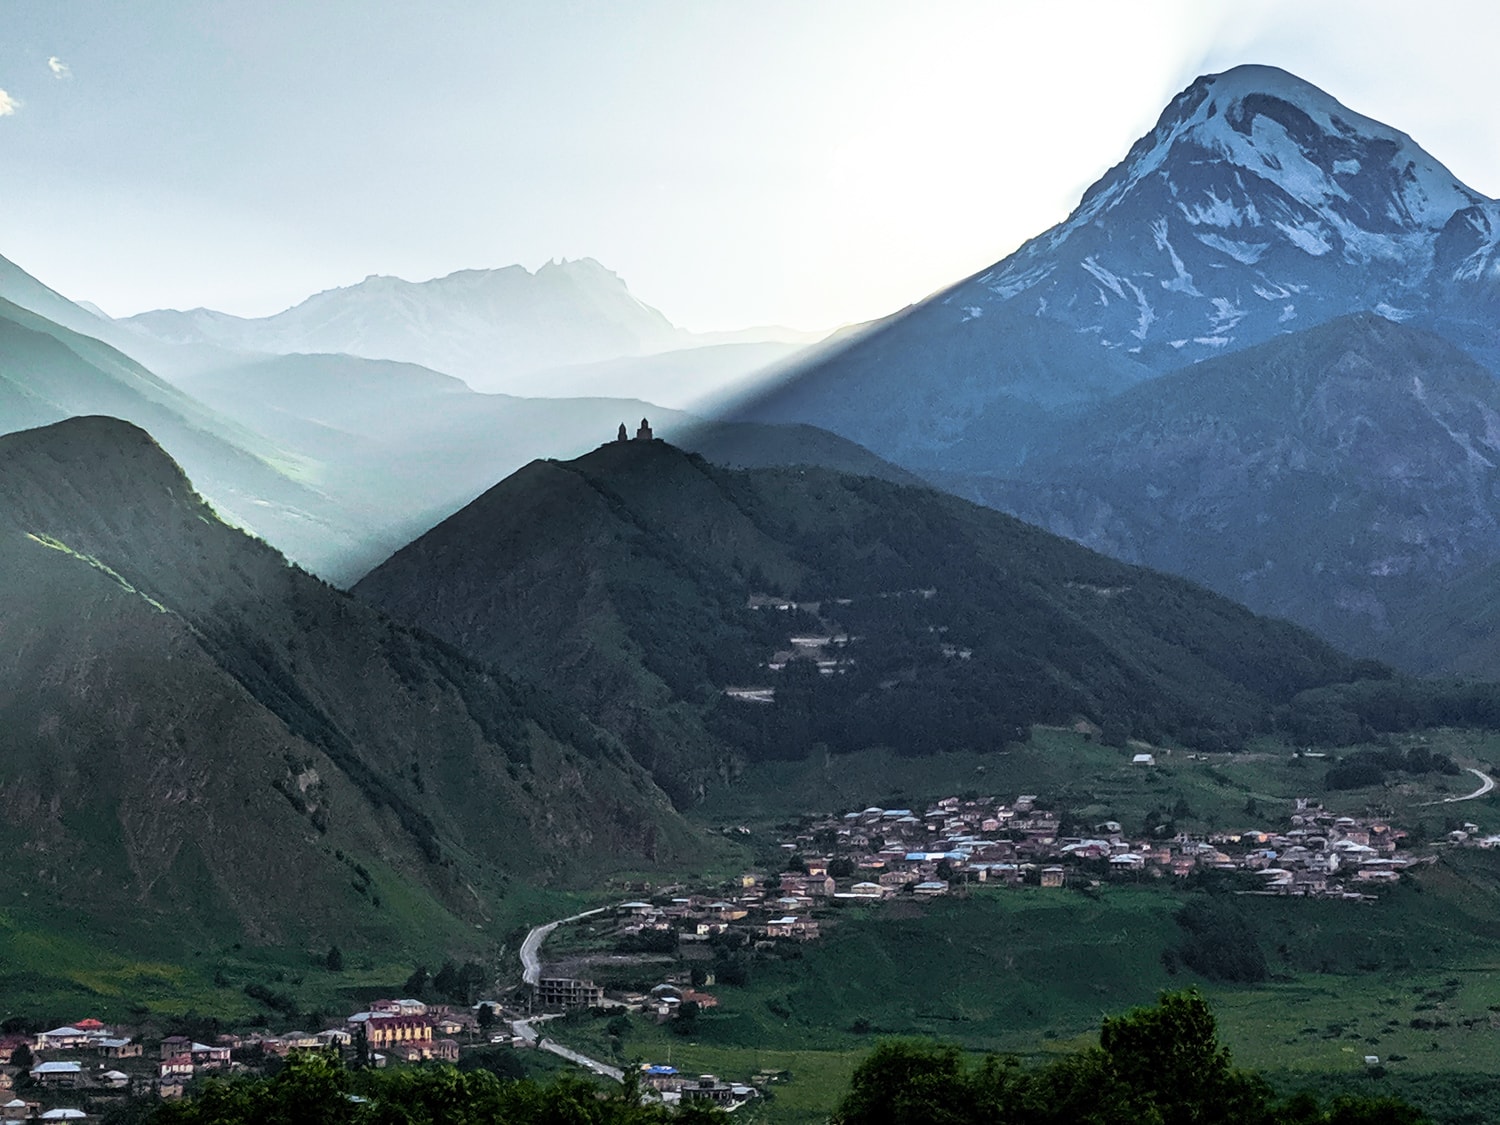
(1486,783)
(526,1030)
(531,963)
(531,972)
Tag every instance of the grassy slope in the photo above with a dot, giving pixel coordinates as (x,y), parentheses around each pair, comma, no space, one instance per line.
(1027,970)
(1030,970)
(626,576)
(1096,783)
(201,747)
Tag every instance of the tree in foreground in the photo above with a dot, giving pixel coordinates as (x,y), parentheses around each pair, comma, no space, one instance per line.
(1159,1065)
(314,1088)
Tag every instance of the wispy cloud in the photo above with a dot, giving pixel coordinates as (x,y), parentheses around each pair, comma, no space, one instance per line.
(59,68)
(8,104)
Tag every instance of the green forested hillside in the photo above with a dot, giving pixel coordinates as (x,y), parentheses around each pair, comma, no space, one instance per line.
(198,740)
(642,581)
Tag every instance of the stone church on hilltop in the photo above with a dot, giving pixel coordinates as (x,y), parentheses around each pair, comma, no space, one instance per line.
(642,434)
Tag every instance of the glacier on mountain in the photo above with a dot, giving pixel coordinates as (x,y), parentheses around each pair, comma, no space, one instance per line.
(1283,190)
(1256,207)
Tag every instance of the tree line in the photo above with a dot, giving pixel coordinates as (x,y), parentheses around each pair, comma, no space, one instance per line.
(1161,1065)
(1157,1065)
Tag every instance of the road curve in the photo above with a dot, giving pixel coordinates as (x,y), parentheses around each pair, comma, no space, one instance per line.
(1486,783)
(531,962)
(581,1060)
(531,972)
(527,1031)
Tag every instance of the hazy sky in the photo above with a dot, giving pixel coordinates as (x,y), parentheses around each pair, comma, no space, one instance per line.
(803,162)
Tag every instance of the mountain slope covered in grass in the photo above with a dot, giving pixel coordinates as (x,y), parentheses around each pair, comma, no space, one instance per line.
(197,740)
(642,582)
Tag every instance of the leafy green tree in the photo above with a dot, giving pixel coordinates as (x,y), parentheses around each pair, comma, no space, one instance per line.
(417,982)
(471,979)
(447,981)
(499,1061)
(334,961)
(1170,1059)
(686,1022)
(906,1083)
(1222,942)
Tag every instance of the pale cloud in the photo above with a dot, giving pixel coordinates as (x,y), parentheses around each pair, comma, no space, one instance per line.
(8,104)
(59,68)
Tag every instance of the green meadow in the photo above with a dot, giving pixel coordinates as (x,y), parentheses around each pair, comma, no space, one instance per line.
(1410,978)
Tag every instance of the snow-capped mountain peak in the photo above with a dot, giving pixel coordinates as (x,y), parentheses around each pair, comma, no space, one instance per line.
(1291,134)
(1257,205)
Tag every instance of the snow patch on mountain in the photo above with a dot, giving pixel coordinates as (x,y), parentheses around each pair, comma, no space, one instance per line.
(1246,253)
(1273,187)
(1219,213)
(1310,238)
(1105,277)
(1181,281)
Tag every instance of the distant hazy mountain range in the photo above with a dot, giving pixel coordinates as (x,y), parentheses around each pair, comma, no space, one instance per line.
(1166,376)
(561,332)
(335,459)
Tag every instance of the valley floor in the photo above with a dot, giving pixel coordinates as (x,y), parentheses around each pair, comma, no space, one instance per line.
(1407,978)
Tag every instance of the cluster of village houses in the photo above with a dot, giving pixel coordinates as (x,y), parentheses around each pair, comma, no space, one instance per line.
(958,841)
(91,1063)
(879,853)
(875,852)
(93,1066)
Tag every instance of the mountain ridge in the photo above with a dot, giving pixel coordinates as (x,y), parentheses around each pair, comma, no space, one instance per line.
(504,329)
(164,672)
(1257,206)
(644,580)
(1334,477)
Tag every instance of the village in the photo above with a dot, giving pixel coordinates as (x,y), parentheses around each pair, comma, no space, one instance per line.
(78,1071)
(875,853)
(956,842)
(954,848)
(81,1071)
(834,862)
